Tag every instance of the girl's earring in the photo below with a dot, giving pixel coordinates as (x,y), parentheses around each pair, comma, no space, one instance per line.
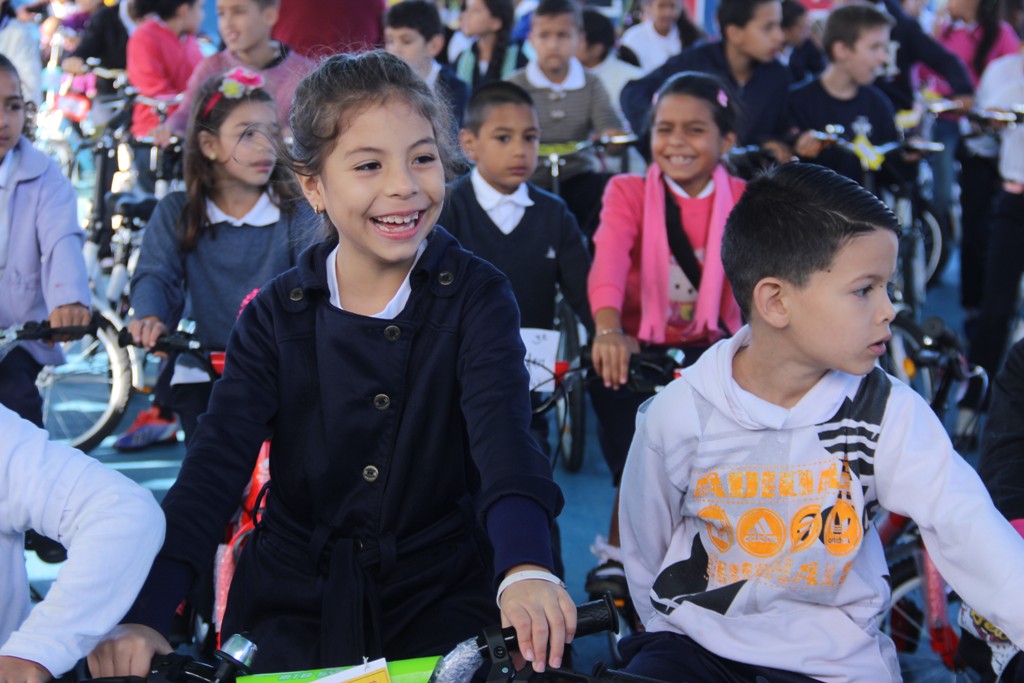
(213,156)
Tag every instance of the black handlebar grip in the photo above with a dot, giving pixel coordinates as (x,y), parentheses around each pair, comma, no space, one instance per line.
(124,337)
(596,616)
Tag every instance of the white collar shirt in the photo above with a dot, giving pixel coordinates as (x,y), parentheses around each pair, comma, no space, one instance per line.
(575,79)
(504,210)
(263,213)
(398,301)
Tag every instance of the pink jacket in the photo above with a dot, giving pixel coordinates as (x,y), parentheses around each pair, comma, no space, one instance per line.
(631,263)
(159,65)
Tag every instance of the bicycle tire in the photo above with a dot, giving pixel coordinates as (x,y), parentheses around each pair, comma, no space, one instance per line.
(937,246)
(904,623)
(85,398)
(900,354)
(571,407)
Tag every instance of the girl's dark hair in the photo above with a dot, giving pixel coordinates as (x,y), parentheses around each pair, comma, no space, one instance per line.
(689,32)
(705,87)
(505,12)
(988,21)
(792,10)
(344,86)
(164,9)
(194,223)
(7,10)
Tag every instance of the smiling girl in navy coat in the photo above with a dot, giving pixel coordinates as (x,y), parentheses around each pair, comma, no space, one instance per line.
(388,370)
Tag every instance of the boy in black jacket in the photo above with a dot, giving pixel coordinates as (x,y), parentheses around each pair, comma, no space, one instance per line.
(527,233)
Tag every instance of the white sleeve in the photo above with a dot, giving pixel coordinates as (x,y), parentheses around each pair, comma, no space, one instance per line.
(919,475)
(649,511)
(111,527)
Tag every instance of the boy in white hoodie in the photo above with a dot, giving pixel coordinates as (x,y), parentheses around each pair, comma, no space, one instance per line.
(112,528)
(747,498)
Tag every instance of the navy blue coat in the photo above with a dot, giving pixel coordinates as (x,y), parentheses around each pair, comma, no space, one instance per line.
(392,441)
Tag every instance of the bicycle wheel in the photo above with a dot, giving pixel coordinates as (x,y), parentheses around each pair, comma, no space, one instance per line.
(85,398)
(902,354)
(921,659)
(571,407)
(936,246)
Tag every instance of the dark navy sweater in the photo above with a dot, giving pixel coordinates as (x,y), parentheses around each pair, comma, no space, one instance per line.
(545,251)
(762,99)
(812,108)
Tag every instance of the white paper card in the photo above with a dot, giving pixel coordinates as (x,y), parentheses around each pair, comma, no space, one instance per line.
(370,672)
(541,353)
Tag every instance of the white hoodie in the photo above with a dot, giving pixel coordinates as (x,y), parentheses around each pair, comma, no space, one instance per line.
(747,527)
(111,526)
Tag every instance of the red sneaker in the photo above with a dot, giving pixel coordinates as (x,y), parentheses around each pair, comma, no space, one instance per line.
(149,429)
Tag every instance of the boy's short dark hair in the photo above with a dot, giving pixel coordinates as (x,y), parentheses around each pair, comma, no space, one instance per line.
(550,8)
(790,223)
(846,24)
(792,10)
(491,95)
(737,12)
(598,30)
(415,14)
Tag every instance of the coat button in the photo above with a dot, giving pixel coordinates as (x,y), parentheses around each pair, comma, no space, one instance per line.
(392,333)
(295,294)
(446,278)
(381,402)
(370,473)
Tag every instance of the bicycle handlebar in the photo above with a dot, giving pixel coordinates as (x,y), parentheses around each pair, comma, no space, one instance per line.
(31,331)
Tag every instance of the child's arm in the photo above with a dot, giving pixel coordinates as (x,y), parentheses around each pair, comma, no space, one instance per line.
(919,475)
(604,120)
(111,527)
(158,285)
(649,508)
(65,280)
(617,236)
(1001,462)
(517,498)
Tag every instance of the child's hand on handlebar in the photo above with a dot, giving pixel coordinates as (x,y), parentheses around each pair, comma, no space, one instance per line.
(146,331)
(610,354)
(127,650)
(69,315)
(543,616)
(17,670)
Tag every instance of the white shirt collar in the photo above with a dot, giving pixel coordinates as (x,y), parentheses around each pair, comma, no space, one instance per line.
(263,213)
(435,69)
(489,198)
(677,190)
(574,80)
(7,166)
(398,301)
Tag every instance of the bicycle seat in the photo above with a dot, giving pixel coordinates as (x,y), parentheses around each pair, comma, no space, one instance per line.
(135,208)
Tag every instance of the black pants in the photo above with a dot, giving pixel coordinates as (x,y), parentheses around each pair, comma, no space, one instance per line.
(979,186)
(190,401)
(1005,265)
(583,194)
(18,371)
(676,658)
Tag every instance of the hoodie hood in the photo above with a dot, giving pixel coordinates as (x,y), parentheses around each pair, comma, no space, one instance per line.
(712,377)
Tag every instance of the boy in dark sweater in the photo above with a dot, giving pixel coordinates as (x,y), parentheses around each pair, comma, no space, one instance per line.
(856,41)
(413,31)
(745,59)
(527,233)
